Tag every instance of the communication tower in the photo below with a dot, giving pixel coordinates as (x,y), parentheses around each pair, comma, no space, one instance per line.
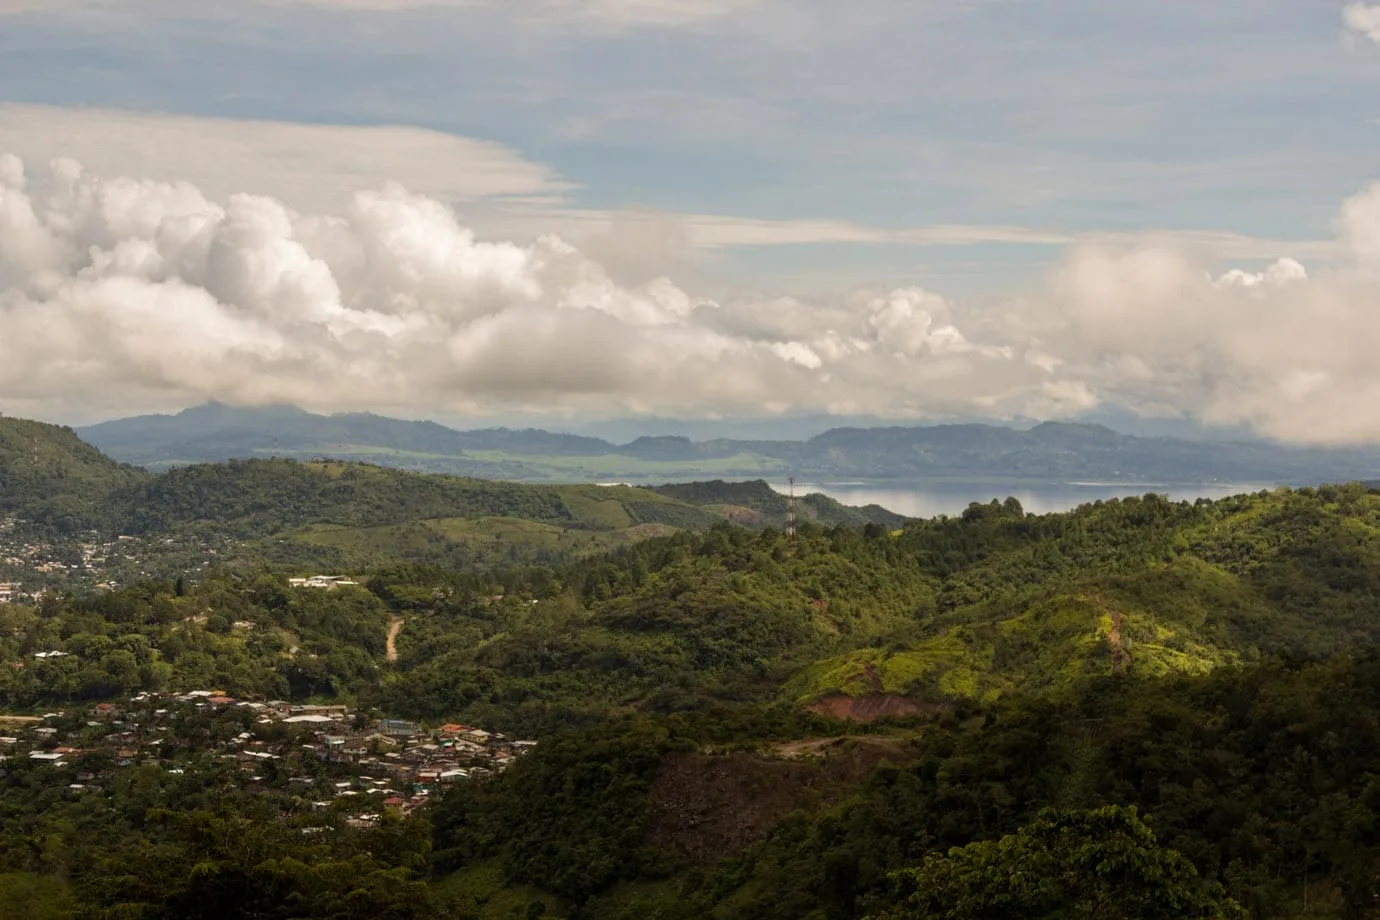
(790,510)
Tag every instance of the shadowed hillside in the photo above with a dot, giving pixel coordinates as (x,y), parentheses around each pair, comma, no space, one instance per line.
(47,473)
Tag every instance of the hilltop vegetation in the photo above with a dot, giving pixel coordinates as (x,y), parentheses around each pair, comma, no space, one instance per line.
(333,514)
(48,474)
(926,617)
(757,503)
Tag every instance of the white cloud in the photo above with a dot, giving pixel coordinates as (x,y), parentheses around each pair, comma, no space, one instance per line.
(1280,272)
(124,289)
(1363,19)
(313,167)
(119,292)
(318,168)
(721,231)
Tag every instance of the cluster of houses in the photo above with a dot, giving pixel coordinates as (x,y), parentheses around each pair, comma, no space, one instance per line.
(332,756)
(91,560)
(323,582)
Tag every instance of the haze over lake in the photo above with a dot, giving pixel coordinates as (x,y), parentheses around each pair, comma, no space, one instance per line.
(929,499)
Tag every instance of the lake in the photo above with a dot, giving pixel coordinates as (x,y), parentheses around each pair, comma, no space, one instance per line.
(929,499)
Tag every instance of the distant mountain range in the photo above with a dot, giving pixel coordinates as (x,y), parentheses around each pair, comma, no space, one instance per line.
(346,516)
(1049,452)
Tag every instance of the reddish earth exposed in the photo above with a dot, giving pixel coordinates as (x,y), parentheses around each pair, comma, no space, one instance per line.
(707,806)
(739,515)
(869,707)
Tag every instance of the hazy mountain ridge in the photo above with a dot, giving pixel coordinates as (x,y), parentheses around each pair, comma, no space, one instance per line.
(337,514)
(1051,451)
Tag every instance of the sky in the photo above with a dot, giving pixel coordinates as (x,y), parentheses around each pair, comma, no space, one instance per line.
(910,210)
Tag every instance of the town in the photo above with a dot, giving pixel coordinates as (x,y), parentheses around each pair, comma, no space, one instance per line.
(352,764)
(31,562)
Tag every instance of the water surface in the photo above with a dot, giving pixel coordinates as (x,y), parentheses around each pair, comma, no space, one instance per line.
(929,499)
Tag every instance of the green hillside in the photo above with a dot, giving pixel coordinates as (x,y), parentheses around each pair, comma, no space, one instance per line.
(344,515)
(49,475)
(259,497)
(1141,585)
(757,503)
(734,725)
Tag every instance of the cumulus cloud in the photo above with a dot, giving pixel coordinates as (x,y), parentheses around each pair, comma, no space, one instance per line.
(126,289)
(1363,19)
(119,292)
(1282,271)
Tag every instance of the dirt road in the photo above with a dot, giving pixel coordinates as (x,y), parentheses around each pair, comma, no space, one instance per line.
(394,627)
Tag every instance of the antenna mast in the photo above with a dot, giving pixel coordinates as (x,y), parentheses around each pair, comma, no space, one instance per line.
(790,511)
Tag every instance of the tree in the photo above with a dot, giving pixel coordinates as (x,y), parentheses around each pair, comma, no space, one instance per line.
(25,896)
(1103,864)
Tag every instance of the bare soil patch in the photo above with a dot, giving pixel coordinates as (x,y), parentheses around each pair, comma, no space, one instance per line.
(708,806)
(872,706)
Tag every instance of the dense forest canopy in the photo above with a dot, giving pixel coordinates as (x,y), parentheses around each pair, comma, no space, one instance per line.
(877,718)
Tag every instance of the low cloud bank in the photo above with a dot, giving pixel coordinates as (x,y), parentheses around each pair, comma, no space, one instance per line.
(120,292)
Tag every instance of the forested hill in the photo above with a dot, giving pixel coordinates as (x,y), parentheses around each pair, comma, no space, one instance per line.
(850,621)
(756,502)
(865,623)
(216,432)
(47,472)
(339,515)
(1051,451)
(734,725)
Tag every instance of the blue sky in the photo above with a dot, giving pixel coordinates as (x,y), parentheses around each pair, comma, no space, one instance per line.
(1067,116)
(914,209)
